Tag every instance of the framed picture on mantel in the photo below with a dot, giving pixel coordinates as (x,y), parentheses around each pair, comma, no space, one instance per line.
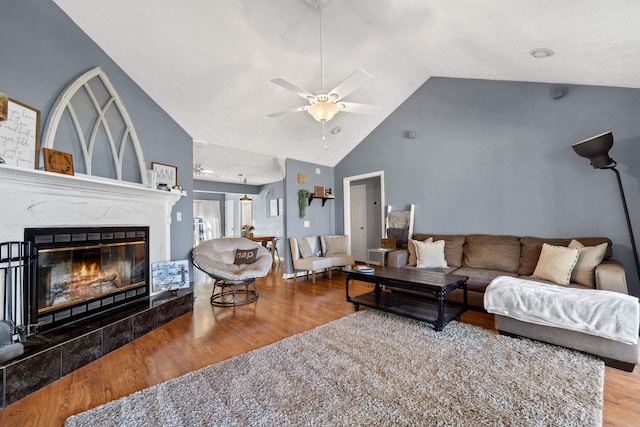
(165,174)
(20,135)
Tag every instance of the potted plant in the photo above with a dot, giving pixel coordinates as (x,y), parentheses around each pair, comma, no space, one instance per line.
(247,230)
(303,200)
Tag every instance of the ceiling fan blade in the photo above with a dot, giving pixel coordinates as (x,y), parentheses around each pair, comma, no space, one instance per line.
(350,84)
(295,89)
(353,107)
(293,110)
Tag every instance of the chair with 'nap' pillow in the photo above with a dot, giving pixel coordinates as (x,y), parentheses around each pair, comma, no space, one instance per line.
(235,264)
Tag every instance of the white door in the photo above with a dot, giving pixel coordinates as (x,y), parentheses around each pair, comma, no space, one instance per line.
(359,222)
(229,219)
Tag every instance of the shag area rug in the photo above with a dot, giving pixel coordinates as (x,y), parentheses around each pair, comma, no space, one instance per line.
(374,368)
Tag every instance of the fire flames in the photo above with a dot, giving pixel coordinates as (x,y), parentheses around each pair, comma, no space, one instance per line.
(90,275)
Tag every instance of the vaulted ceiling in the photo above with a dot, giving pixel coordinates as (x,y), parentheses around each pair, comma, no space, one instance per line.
(209,64)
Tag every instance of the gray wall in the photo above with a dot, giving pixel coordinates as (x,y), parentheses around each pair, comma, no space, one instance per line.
(43,51)
(267,225)
(496,157)
(321,219)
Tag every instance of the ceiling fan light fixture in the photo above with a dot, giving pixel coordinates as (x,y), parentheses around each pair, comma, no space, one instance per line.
(323,110)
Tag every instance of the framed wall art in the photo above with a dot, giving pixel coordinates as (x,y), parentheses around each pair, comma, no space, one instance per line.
(20,135)
(166,175)
(169,276)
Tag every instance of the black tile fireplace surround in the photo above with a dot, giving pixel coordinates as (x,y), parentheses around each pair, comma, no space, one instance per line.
(51,355)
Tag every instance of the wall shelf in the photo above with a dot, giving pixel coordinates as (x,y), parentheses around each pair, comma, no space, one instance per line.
(324,199)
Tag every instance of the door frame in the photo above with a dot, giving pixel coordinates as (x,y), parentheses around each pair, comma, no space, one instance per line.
(346,188)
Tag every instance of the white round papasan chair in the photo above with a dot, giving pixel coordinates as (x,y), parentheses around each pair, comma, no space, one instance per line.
(233,264)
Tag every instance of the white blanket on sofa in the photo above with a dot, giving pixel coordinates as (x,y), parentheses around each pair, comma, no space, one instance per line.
(605,314)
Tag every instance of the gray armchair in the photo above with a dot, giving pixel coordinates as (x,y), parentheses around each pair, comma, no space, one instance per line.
(234,264)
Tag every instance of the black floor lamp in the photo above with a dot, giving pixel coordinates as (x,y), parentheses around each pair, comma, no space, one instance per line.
(596,149)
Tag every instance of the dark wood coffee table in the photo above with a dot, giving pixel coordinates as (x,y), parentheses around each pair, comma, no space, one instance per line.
(416,293)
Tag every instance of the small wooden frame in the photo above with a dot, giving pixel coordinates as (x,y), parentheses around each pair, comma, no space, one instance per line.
(165,174)
(58,161)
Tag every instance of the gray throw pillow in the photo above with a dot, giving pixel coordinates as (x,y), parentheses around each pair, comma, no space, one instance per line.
(245,256)
(305,249)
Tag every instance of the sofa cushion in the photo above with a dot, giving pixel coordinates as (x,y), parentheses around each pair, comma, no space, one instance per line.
(479,278)
(590,257)
(531,247)
(411,247)
(340,260)
(556,263)
(335,244)
(492,252)
(430,254)
(453,246)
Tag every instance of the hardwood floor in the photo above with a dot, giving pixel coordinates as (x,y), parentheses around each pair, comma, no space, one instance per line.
(211,334)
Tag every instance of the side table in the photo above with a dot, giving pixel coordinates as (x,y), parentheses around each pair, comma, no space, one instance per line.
(378,256)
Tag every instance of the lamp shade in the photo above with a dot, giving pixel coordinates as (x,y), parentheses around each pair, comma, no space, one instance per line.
(596,149)
(323,110)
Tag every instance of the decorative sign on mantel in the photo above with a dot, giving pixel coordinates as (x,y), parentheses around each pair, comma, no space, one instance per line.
(20,136)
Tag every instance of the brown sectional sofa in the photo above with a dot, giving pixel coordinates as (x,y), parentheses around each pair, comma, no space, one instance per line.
(483,257)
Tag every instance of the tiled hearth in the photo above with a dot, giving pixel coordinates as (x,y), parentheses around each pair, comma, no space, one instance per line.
(54,354)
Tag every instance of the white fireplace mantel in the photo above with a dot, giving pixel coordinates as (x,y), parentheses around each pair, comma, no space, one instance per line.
(34,198)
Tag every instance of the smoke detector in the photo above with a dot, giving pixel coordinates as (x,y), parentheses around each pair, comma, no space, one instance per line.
(540,53)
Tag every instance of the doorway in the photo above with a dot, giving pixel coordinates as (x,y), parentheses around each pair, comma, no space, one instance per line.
(375,207)
(206,220)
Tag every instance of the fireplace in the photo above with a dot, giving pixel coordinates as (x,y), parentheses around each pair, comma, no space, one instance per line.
(80,272)
(35,198)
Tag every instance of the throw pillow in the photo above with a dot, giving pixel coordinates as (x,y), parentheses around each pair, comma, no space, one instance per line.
(430,254)
(556,263)
(304,247)
(335,245)
(245,256)
(590,257)
(411,247)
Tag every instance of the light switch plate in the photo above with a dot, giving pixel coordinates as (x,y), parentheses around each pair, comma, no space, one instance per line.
(306,224)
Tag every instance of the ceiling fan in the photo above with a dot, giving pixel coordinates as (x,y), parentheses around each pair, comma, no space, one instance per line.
(324,104)
(198,169)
